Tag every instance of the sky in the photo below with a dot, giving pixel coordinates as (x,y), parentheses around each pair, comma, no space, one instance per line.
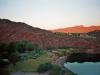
(52,14)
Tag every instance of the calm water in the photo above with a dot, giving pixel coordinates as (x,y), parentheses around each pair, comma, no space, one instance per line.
(86,68)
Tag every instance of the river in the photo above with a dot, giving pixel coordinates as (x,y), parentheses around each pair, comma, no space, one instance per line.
(85,68)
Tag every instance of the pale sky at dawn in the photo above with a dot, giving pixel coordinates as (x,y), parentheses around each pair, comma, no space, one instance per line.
(52,14)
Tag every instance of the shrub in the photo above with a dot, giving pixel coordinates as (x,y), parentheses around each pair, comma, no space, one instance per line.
(44,67)
(56,70)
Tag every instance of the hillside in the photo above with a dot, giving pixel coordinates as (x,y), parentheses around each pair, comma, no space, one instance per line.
(77,29)
(95,33)
(16,31)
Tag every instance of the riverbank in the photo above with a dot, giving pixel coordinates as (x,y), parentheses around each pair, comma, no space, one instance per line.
(60,61)
(29,67)
(66,72)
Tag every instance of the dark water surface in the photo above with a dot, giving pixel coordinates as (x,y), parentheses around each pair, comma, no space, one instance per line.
(84,64)
(86,68)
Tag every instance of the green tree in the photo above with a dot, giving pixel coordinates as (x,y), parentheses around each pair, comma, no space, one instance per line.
(13,53)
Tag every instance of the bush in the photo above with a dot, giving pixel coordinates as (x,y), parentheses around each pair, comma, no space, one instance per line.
(44,67)
(56,70)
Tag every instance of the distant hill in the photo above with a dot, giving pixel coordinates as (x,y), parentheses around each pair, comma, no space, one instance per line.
(77,29)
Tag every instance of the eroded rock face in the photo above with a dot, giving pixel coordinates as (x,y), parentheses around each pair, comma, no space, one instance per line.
(58,59)
(61,61)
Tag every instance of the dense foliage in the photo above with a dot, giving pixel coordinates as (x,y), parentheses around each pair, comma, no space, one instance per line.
(11,53)
(44,67)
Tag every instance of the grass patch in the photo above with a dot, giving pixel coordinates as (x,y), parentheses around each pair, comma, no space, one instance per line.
(31,64)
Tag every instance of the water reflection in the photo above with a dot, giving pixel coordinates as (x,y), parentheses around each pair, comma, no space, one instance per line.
(83,64)
(83,57)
